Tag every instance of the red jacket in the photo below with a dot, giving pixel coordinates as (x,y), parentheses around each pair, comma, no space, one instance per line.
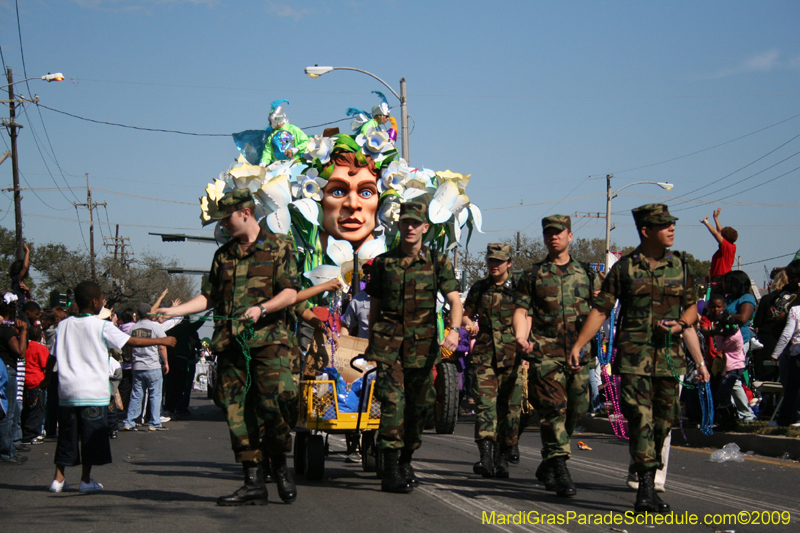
(35,363)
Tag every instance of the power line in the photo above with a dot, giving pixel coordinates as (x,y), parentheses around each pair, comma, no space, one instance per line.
(709,148)
(742,168)
(741,192)
(159,130)
(765,260)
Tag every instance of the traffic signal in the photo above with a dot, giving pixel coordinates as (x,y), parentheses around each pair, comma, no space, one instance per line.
(63,299)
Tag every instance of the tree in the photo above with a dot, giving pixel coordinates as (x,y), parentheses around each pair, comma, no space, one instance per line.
(529,250)
(123,284)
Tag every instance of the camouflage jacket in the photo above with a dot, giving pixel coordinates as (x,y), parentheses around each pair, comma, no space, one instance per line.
(494,305)
(243,277)
(406,288)
(557,303)
(647,296)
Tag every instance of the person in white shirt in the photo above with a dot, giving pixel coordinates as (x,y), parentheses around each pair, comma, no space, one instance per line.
(81,349)
(147,372)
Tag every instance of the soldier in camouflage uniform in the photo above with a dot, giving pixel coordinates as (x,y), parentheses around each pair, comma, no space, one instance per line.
(403,341)
(498,389)
(556,295)
(658,302)
(253,278)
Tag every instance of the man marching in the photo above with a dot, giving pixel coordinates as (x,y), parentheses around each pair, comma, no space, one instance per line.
(658,302)
(253,277)
(557,295)
(403,342)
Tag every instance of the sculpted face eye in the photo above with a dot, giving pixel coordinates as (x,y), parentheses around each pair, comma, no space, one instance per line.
(338,193)
(366,193)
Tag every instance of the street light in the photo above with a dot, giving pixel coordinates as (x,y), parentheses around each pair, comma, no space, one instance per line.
(12,132)
(610,195)
(316,71)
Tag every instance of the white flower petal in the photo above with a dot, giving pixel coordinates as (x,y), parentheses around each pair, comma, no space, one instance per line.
(477,218)
(279,221)
(461,217)
(457,232)
(309,209)
(410,194)
(323,273)
(372,248)
(339,251)
(444,199)
(274,196)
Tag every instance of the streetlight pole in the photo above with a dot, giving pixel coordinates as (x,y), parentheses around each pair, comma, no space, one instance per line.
(316,71)
(610,195)
(12,126)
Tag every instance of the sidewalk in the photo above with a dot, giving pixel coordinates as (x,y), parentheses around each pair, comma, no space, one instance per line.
(767,445)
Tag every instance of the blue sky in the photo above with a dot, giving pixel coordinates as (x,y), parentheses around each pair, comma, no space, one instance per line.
(531,98)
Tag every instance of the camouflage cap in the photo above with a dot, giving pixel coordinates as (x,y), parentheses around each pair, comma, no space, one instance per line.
(653,214)
(560,222)
(415,211)
(501,252)
(231,202)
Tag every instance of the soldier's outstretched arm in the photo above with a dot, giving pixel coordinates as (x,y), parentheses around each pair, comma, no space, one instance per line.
(282,300)
(198,304)
(593,324)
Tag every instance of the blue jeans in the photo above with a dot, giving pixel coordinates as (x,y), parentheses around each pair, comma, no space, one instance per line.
(7,450)
(152,380)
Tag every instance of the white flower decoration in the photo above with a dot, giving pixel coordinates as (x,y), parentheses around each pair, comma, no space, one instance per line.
(309,185)
(394,177)
(319,147)
(375,144)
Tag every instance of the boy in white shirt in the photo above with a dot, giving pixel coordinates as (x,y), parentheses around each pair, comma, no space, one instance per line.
(81,349)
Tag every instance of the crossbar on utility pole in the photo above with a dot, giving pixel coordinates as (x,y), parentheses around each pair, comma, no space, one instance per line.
(91,207)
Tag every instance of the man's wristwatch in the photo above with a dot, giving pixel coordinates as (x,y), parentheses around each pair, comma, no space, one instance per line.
(263,311)
(457,329)
(702,363)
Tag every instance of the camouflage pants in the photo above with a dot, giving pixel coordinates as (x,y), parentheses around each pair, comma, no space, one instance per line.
(651,407)
(270,404)
(560,397)
(498,403)
(407,397)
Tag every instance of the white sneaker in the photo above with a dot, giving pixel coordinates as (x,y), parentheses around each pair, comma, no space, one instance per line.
(55,486)
(755,344)
(92,486)
(632,481)
(165,419)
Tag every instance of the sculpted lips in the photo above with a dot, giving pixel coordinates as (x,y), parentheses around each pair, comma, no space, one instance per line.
(351,223)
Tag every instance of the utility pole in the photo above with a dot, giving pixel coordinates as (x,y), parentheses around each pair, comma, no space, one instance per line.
(609,196)
(12,132)
(91,207)
(119,244)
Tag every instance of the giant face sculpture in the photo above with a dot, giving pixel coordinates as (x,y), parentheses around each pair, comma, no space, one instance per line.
(350,201)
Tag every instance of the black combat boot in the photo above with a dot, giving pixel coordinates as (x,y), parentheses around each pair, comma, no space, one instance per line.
(546,474)
(501,452)
(406,470)
(254,492)
(393,480)
(513,454)
(565,488)
(283,478)
(646,496)
(485,466)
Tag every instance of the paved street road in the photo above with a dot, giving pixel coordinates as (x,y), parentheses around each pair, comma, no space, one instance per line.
(169,481)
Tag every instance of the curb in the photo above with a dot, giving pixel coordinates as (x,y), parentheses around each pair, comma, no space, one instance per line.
(767,445)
